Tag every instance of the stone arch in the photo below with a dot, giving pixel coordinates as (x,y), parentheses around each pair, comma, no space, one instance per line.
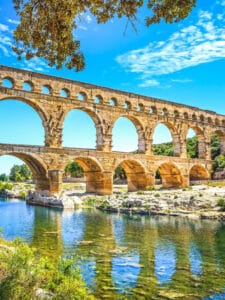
(198,172)
(200,140)
(185,114)
(94,175)
(202,118)
(28,86)
(175,137)
(140,107)
(153,110)
(82,96)
(170,175)
(217,122)
(98,99)
(10,80)
(165,112)
(137,177)
(209,120)
(176,114)
(220,139)
(97,122)
(139,128)
(40,111)
(113,101)
(65,93)
(37,108)
(127,105)
(46,89)
(37,167)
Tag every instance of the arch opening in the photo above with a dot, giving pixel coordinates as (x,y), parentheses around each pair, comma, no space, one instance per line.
(19,128)
(192,144)
(81,96)
(79,129)
(7,82)
(198,173)
(128,135)
(170,175)
(132,173)
(28,86)
(217,144)
(98,99)
(19,167)
(195,143)
(163,143)
(113,102)
(88,171)
(46,89)
(64,93)
(127,105)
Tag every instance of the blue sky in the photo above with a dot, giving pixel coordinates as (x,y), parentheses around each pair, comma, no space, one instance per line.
(183,62)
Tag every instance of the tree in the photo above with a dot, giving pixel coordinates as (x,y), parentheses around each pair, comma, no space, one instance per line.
(120,173)
(3,177)
(46,28)
(20,173)
(73,169)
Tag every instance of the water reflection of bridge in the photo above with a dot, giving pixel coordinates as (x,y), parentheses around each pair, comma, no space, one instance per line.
(158,257)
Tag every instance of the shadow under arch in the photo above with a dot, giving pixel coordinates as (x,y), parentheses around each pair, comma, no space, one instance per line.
(174,135)
(93,172)
(37,167)
(139,129)
(98,123)
(137,178)
(198,172)
(170,175)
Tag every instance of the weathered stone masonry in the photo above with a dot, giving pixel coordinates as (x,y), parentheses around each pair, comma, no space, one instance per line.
(105,106)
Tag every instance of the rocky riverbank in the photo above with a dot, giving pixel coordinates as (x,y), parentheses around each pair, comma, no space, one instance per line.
(193,202)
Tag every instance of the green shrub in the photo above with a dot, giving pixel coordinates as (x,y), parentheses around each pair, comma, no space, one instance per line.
(221,204)
(22,194)
(150,188)
(22,273)
(5,186)
(175,197)
(157,195)
(139,193)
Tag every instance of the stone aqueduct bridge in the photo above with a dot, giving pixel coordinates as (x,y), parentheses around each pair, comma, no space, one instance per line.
(52,98)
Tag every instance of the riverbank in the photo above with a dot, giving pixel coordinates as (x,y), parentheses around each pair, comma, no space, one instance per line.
(198,201)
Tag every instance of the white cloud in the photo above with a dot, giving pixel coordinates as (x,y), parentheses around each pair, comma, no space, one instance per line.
(192,45)
(13,21)
(185,80)
(149,82)
(88,19)
(82,27)
(4,27)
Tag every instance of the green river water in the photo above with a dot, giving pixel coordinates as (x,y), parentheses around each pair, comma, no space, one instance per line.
(127,257)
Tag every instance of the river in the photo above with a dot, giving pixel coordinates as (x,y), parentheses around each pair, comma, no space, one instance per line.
(127,257)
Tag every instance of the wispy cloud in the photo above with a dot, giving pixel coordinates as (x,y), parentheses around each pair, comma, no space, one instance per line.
(4,27)
(6,41)
(192,45)
(185,80)
(149,82)
(13,21)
